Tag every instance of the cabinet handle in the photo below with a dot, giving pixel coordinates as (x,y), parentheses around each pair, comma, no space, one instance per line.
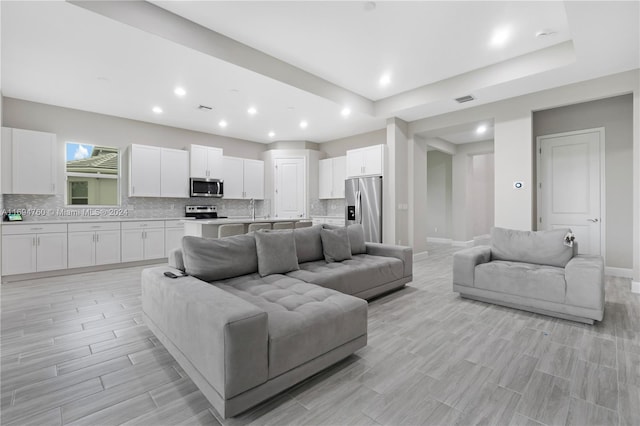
(38,241)
(35,229)
(33,242)
(97,238)
(53,187)
(133,189)
(93,238)
(96,227)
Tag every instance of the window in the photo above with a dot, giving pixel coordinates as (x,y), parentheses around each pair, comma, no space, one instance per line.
(92,175)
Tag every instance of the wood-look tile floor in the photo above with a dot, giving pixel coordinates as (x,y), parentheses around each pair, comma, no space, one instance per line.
(75,351)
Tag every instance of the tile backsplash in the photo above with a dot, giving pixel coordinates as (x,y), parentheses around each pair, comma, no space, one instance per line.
(334,207)
(52,207)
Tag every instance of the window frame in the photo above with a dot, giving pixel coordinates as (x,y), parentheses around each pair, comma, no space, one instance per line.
(116,177)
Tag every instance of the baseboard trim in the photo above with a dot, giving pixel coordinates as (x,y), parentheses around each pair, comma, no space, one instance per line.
(618,272)
(439,240)
(462,243)
(420,256)
(635,287)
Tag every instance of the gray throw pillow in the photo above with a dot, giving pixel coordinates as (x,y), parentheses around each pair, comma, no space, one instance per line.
(276,252)
(308,244)
(213,259)
(335,245)
(356,237)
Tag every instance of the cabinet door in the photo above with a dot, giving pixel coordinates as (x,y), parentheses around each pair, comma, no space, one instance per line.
(339,175)
(35,157)
(81,249)
(18,254)
(51,252)
(233,175)
(174,177)
(144,171)
(154,243)
(325,178)
(172,239)
(372,160)
(214,163)
(198,161)
(254,179)
(132,247)
(355,160)
(107,247)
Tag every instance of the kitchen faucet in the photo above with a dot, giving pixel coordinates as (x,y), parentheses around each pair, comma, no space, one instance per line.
(252,206)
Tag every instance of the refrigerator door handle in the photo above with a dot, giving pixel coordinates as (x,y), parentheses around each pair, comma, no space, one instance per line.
(358,207)
(359,199)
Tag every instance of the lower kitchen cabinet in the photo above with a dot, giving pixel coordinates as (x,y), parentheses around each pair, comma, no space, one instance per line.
(94,244)
(33,248)
(142,240)
(173,233)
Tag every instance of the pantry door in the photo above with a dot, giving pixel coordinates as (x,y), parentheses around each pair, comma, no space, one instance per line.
(289,187)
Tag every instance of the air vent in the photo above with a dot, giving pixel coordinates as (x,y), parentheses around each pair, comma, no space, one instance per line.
(464,99)
(204,108)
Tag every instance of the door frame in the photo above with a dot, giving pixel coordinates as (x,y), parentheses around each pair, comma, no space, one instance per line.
(603,198)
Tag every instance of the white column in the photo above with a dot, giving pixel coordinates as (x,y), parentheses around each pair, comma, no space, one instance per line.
(635,285)
(417,160)
(395,228)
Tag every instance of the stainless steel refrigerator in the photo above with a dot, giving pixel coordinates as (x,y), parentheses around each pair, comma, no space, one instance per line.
(363,198)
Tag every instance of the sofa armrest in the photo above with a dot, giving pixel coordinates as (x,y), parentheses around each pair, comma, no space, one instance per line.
(585,282)
(175,259)
(465,262)
(399,252)
(223,336)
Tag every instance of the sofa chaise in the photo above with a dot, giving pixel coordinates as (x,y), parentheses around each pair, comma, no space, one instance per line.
(533,271)
(248,322)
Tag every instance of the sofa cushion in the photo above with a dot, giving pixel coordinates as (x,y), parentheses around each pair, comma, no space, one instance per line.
(360,273)
(541,247)
(219,258)
(522,279)
(335,244)
(356,236)
(305,320)
(308,244)
(276,252)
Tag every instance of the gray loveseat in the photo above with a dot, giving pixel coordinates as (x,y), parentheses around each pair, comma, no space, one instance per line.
(244,336)
(533,271)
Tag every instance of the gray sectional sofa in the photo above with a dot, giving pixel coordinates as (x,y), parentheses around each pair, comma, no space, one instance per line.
(533,271)
(247,322)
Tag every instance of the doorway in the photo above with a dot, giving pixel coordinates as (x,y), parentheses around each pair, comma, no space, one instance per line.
(289,188)
(571,186)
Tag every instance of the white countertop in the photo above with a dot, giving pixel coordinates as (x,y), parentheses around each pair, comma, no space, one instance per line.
(244,220)
(327,217)
(93,220)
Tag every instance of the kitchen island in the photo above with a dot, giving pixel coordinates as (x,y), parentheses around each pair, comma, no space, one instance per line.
(208,228)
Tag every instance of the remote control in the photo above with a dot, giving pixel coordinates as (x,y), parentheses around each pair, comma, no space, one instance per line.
(170,274)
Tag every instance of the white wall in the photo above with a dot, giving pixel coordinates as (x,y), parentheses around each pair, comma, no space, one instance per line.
(616,116)
(439,172)
(339,147)
(482,193)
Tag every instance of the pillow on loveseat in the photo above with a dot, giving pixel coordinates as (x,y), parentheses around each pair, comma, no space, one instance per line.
(539,247)
(276,252)
(335,244)
(213,259)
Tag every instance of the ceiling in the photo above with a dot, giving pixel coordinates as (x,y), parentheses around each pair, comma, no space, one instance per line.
(296,61)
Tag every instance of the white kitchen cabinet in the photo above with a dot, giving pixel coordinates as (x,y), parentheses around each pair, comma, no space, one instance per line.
(158,172)
(29,162)
(243,178)
(93,244)
(144,171)
(173,233)
(33,248)
(174,173)
(368,161)
(142,240)
(332,173)
(206,162)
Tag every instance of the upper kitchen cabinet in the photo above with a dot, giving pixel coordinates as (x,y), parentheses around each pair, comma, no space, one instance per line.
(206,162)
(366,161)
(243,179)
(29,162)
(332,173)
(158,172)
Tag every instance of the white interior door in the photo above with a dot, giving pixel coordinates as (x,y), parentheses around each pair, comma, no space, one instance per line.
(289,188)
(570,185)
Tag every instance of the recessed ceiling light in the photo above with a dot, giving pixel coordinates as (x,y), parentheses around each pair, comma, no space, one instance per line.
(545,33)
(500,37)
(345,111)
(222,124)
(481,129)
(385,80)
(303,124)
(252,111)
(179,91)
(272,134)
(157,110)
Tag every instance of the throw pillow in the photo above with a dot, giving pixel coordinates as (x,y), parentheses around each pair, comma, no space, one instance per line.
(356,236)
(276,252)
(308,244)
(213,259)
(335,245)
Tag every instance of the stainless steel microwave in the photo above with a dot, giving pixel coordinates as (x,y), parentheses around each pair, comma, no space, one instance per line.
(201,187)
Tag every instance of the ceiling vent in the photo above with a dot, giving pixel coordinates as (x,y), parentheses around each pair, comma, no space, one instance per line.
(204,108)
(464,99)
